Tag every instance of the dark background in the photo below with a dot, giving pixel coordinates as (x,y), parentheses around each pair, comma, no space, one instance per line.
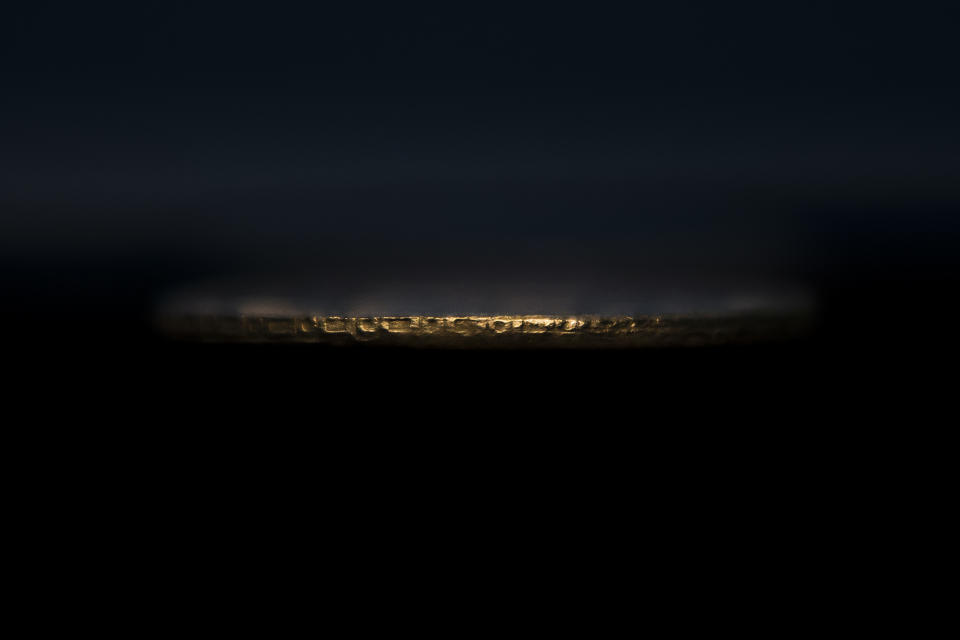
(146,145)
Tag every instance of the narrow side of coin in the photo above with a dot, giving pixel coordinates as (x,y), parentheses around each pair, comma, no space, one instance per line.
(490,331)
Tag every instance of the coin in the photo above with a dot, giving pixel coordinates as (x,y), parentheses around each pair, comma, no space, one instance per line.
(468,314)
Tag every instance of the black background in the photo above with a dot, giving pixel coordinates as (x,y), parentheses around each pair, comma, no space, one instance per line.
(145,145)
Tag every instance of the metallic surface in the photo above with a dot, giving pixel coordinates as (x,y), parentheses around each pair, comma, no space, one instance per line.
(481,312)
(492,331)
